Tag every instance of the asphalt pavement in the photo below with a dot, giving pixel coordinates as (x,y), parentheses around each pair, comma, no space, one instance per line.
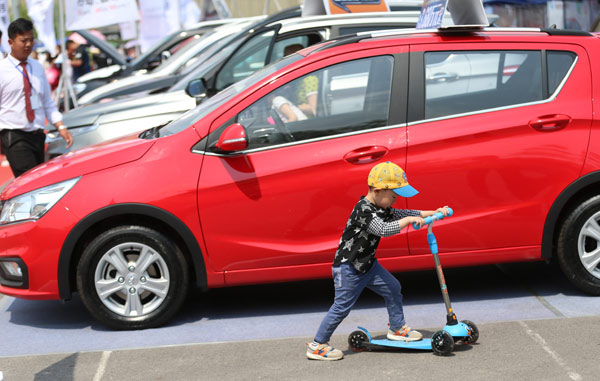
(549,349)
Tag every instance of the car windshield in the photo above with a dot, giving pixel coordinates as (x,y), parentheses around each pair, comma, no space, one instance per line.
(153,51)
(199,60)
(206,107)
(203,66)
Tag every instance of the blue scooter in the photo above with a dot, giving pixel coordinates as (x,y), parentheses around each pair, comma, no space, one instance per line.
(442,341)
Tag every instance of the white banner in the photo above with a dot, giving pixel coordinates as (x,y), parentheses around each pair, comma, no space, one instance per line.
(153,24)
(159,18)
(128,30)
(189,14)
(4,21)
(41,12)
(88,14)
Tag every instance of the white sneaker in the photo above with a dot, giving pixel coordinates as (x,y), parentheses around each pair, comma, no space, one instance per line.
(316,351)
(405,334)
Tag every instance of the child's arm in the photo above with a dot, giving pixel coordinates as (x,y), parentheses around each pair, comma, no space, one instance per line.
(419,220)
(444,210)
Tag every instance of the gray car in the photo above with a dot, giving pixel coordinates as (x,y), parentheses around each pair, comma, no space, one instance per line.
(237,60)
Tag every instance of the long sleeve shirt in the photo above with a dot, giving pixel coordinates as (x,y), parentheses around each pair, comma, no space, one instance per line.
(12,98)
(364,229)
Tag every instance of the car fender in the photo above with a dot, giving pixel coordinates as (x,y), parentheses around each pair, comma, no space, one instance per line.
(574,191)
(67,257)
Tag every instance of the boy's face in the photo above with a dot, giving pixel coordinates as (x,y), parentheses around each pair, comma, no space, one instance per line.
(384,198)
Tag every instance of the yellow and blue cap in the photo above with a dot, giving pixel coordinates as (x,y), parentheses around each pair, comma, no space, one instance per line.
(390,176)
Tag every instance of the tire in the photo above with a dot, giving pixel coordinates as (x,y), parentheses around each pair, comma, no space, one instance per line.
(578,240)
(442,343)
(143,276)
(356,340)
(474,336)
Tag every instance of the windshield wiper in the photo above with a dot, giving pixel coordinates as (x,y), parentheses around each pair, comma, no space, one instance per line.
(153,133)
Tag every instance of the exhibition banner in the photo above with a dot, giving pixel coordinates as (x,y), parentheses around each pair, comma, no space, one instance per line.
(4,21)
(354,6)
(41,12)
(465,13)
(88,14)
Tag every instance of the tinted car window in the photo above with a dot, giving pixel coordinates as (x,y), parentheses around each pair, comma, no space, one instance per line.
(559,64)
(251,57)
(347,97)
(460,82)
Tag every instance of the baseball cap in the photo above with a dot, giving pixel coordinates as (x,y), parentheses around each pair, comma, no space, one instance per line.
(390,176)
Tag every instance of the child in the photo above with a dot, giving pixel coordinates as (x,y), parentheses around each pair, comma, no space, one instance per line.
(355,266)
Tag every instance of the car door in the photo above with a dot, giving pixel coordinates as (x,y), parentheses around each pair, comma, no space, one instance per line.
(497,131)
(276,211)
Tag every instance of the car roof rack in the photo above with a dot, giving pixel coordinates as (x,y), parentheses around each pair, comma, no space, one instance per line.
(465,29)
(352,38)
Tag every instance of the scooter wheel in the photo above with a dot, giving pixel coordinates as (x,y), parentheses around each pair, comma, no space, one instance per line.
(356,340)
(472,338)
(442,343)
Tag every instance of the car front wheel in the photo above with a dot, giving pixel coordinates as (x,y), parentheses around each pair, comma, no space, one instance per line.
(579,246)
(132,277)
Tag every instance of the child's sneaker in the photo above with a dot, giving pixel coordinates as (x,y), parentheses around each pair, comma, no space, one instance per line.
(316,351)
(405,334)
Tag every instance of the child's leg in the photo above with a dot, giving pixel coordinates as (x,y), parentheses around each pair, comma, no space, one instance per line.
(386,285)
(348,285)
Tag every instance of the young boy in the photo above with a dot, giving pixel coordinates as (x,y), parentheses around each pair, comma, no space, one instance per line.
(355,266)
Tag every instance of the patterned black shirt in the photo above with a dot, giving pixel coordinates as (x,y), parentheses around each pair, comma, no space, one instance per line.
(365,227)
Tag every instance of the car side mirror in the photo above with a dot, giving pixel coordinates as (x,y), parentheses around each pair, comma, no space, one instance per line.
(196,88)
(233,138)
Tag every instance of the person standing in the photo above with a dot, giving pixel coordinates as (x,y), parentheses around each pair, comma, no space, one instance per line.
(25,102)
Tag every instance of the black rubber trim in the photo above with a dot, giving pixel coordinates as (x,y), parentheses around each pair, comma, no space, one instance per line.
(340,41)
(566,32)
(8,280)
(66,253)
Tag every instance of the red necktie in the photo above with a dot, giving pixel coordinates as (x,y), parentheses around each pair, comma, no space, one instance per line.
(27,87)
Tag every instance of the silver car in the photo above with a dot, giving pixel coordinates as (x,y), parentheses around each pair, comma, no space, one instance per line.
(240,58)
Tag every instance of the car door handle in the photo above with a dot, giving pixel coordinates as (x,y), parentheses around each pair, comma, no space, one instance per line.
(365,155)
(550,122)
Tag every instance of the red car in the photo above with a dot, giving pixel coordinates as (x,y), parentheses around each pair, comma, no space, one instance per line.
(497,123)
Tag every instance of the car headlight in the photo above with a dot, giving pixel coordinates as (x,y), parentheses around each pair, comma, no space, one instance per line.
(33,205)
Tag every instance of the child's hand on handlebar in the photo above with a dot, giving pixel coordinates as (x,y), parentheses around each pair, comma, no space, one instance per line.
(419,221)
(444,210)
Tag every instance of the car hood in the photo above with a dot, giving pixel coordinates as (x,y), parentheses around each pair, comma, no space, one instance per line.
(102,73)
(78,163)
(87,115)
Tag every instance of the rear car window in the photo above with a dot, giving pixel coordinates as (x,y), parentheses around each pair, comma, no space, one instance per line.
(470,81)
(559,64)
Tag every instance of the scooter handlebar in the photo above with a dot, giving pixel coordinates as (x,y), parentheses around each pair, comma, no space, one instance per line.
(435,217)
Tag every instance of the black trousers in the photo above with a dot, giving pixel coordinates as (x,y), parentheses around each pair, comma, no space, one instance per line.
(23,150)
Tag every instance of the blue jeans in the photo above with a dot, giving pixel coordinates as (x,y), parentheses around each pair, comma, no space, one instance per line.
(349,284)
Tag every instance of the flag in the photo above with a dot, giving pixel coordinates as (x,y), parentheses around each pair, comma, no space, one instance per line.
(41,12)
(4,21)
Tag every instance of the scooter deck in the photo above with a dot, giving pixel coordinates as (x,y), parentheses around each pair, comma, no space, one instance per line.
(423,344)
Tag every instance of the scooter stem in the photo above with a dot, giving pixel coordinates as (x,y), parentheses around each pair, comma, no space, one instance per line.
(450,317)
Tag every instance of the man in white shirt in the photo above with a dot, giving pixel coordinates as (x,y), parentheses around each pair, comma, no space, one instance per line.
(25,102)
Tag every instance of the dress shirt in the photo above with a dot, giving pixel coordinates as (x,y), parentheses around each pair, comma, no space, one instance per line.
(12,98)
